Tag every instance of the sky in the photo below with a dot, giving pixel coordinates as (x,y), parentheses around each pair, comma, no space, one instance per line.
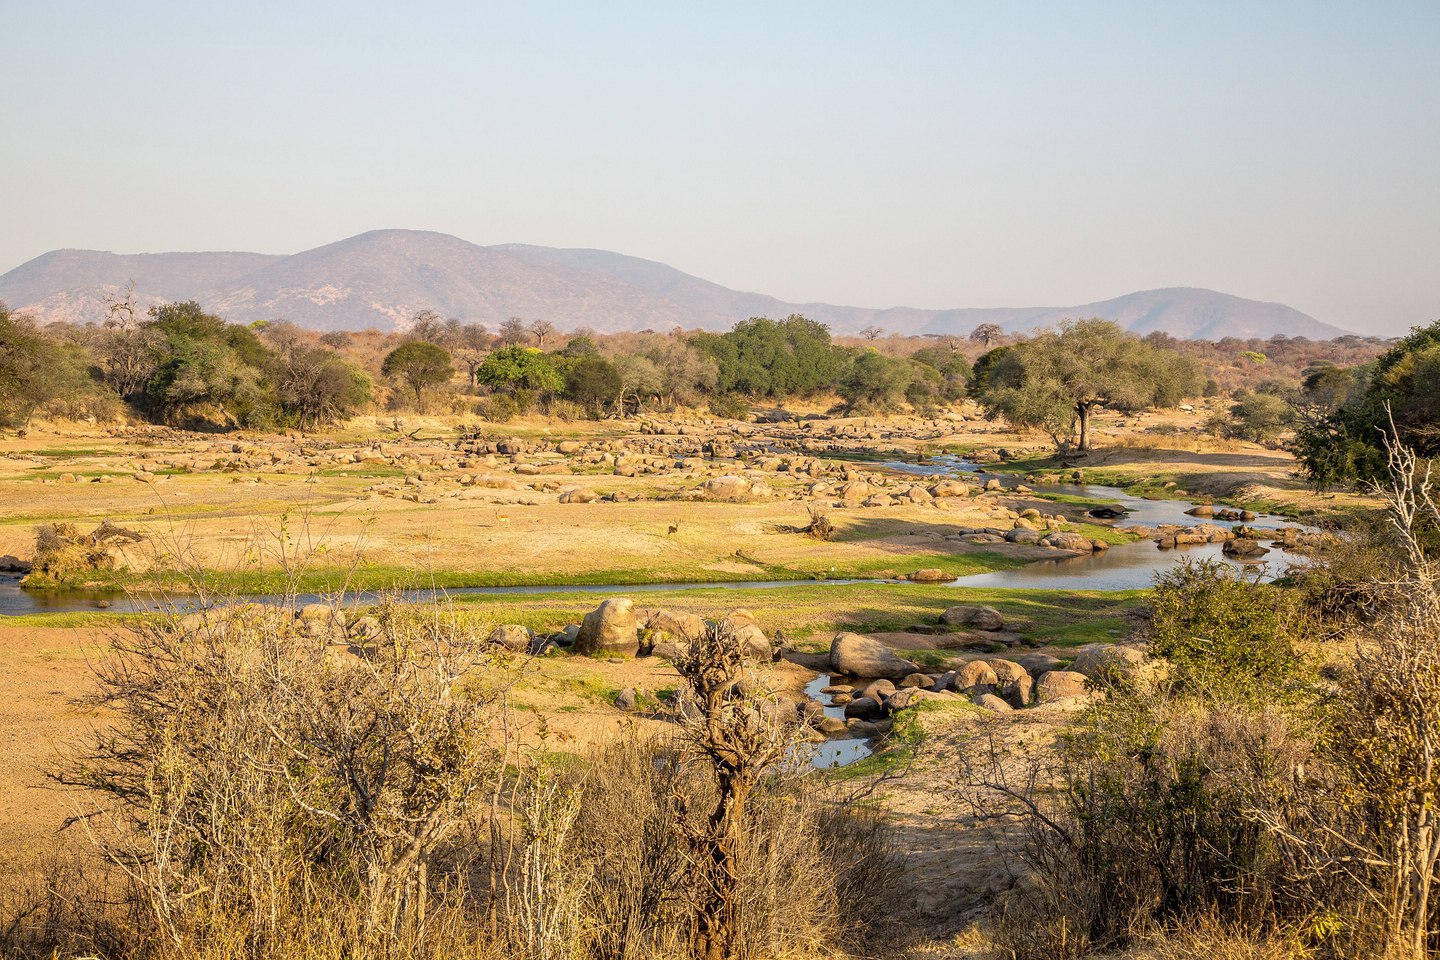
(926,154)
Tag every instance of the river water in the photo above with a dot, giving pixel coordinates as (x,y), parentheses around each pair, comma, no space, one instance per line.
(1129,566)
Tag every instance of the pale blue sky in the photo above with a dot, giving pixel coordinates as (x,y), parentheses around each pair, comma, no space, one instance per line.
(929,154)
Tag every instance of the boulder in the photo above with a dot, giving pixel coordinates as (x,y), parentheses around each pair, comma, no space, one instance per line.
(752,639)
(1038,663)
(579,495)
(975,675)
(609,628)
(626,699)
(1101,661)
(727,487)
(931,575)
(949,488)
(1068,541)
(677,625)
(511,636)
(974,617)
(864,708)
(857,656)
(921,680)
(877,690)
(1243,549)
(993,703)
(1060,685)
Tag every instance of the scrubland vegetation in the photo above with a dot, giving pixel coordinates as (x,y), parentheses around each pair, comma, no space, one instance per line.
(1217,766)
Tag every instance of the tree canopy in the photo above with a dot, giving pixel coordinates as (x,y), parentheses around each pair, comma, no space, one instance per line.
(418,364)
(1054,380)
(1346,445)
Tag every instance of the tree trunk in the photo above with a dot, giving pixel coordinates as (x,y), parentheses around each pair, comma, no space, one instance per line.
(1082,411)
(716,924)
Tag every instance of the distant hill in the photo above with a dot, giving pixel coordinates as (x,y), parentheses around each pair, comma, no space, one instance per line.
(382,278)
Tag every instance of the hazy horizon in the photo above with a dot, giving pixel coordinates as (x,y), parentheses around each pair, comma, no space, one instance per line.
(932,155)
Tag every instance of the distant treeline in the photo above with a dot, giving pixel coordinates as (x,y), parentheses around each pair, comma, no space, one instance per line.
(179,365)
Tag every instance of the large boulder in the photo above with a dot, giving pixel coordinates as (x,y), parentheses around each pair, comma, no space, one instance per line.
(857,656)
(1060,685)
(949,488)
(975,676)
(727,487)
(752,639)
(1103,661)
(579,495)
(609,628)
(674,625)
(976,618)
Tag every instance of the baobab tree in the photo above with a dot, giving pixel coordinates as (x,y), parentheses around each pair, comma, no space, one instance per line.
(987,334)
(541,330)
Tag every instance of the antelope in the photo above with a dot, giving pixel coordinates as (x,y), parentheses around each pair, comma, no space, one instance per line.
(501,517)
(674,529)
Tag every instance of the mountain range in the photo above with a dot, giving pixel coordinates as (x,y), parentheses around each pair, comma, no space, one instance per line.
(382,278)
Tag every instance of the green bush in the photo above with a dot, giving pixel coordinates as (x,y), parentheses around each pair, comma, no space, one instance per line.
(497,409)
(1224,631)
(729,407)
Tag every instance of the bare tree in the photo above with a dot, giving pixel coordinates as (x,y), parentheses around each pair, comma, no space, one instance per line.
(513,332)
(738,736)
(871,332)
(471,345)
(120,312)
(541,330)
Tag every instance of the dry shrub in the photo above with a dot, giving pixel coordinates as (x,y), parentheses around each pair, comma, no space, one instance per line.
(62,552)
(263,790)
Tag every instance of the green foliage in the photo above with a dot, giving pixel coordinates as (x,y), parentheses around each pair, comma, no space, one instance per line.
(516,367)
(593,382)
(499,408)
(1345,445)
(1053,381)
(1224,633)
(775,359)
(420,365)
(875,383)
(1259,416)
(35,371)
(208,371)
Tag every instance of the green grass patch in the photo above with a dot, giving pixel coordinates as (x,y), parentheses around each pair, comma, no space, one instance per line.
(906,735)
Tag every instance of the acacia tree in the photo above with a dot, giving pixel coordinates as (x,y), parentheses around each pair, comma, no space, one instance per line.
(419,365)
(987,333)
(1054,381)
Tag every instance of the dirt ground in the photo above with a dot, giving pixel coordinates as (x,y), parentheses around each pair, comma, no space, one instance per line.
(413,510)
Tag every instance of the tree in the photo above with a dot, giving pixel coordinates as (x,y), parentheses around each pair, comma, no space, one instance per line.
(33,370)
(1259,416)
(736,734)
(871,332)
(514,367)
(986,334)
(541,330)
(512,332)
(592,381)
(1404,384)
(761,357)
(313,385)
(875,382)
(207,370)
(418,364)
(471,345)
(1054,381)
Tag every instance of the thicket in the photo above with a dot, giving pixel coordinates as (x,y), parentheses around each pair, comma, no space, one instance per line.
(1240,796)
(259,788)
